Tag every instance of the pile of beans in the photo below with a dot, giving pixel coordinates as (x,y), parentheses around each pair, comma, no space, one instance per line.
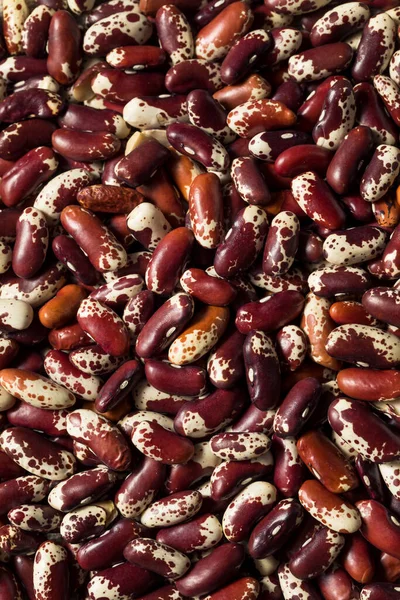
(200,300)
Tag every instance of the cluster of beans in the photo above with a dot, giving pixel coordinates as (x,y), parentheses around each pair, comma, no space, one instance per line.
(199,300)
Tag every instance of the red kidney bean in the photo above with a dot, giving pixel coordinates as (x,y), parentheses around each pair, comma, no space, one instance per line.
(335,583)
(34,168)
(202,464)
(262,370)
(137,167)
(297,407)
(246,52)
(376,47)
(91,119)
(379,591)
(292,585)
(239,446)
(338,23)
(275,529)
(301,159)
(35,518)
(326,462)
(326,281)
(371,113)
(249,181)
(246,508)
(208,114)
(52,422)
(30,103)
(193,74)
(140,487)
(36,454)
(291,345)
(94,360)
(35,31)
(64,56)
(368,346)
(268,145)
(104,326)
(206,210)
(328,508)
(319,63)
(161,445)
(316,199)
(51,572)
(123,581)
(349,158)
(119,87)
(316,554)
(208,289)
(81,488)
(255,116)
(289,471)
(17,138)
(369,384)
(100,245)
(337,116)
(379,526)
(168,261)
(172,510)
(281,243)
(194,142)
(271,313)
(363,430)
(172,379)
(225,365)
(358,560)
(9,586)
(212,571)
(252,88)
(85,145)
(242,243)
(35,389)
(135,57)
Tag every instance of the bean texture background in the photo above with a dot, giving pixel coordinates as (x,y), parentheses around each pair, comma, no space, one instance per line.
(200,300)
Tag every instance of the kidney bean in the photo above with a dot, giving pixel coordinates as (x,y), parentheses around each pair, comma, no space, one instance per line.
(64,40)
(369,384)
(174,33)
(194,142)
(371,113)
(337,116)
(193,74)
(20,137)
(225,364)
(59,368)
(69,337)
(147,112)
(245,52)
(168,261)
(251,89)
(140,487)
(289,471)
(317,554)
(15,315)
(172,510)
(268,145)
(161,445)
(51,572)
(356,245)
(63,307)
(339,22)
(125,28)
(369,346)
(298,160)
(371,478)
(379,591)
(121,581)
(255,116)
(148,224)
(25,489)
(35,518)
(32,238)
(249,181)
(281,244)
(291,343)
(175,380)
(380,173)
(329,509)
(206,210)
(239,446)
(35,389)
(83,523)
(139,164)
(326,282)
(100,245)
(242,243)
(208,289)
(262,370)
(134,57)
(202,464)
(146,397)
(297,407)
(379,526)
(376,47)
(349,158)
(270,313)
(212,571)
(36,454)
(52,422)
(314,197)
(157,557)
(115,88)
(363,430)
(292,585)
(319,63)
(104,326)
(102,438)
(37,103)
(326,462)
(35,31)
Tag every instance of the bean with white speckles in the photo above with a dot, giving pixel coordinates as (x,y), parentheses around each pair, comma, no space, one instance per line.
(376,47)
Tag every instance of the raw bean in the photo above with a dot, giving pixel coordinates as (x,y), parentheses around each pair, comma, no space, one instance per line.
(380,173)
(297,407)
(315,198)
(376,47)
(270,313)
(262,370)
(379,526)
(239,446)
(319,63)
(228,478)
(255,116)
(51,572)
(281,243)
(104,326)
(35,389)
(369,384)
(157,557)
(172,510)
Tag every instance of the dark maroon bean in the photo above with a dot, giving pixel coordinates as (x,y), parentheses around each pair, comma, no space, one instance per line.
(275,529)
(230,476)
(18,138)
(140,487)
(270,313)
(268,145)
(376,47)
(262,370)
(225,365)
(193,74)
(297,407)
(244,55)
(138,166)
(371,113)
(289,472)
(30,103)
(188,380)
(349,159)
(51,422)
(371,478)
(69,254)
(317,63)
(337,116)
(290,94)
(300,159)
(196,143)
(213,571)
(316,554)
(119,385)
(125,580)
(311,108)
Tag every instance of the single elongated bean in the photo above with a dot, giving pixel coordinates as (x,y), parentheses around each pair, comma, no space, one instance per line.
(172,510)
(337,116)
(262,370)
(329,509)
(315,198)
(319,63)
(225,364)
(369,384)
(281,243)
(337,23)
(239,446)
(297,407)
(157,557)
(380,173)
(119,29)
(51,572)
(270,313)
(256,116)
(376,47)
(35,389)
(121,581)
(316,554)
(379,526)
(167,262)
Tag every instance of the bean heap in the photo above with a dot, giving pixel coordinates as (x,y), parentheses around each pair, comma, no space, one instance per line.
(200,300)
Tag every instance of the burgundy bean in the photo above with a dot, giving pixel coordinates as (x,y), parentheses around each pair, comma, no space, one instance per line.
(310,110)
(376,47)
(379,526)
(200,533)
(212,571)
(371,113)
(157,557)
(156,442)
(25,489)
(205,416)
(138,166)
(268,145)
(101,436)
(275,529)
(249,181)
(64,40)
(85,145)
(69,254)
(187,380)
(104,326)
(316,554)
(140,487)
(228,478)
(196,143)
(51,422)
(122,581)
(167,262)
(337,116)
(174,33)
(120,29)
(82,488)
(116,86)
(225,365)
(363,430)
(349,159)
(17,138)
(193,74)
(338,23)
(319,63)
(289,471)
(380,591)
(262,370)
(32,169)
(245,53)
(302,158)
(35,32)
(242,243)
(37,103)
(297,407)
(271,313)
(51,572)
(315,198)
(31,243)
